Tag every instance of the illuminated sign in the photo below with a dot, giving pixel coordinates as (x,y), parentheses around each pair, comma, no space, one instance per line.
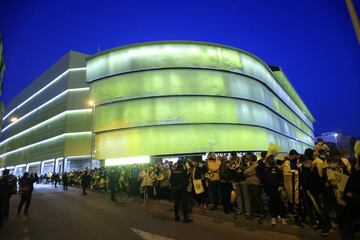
(127,160)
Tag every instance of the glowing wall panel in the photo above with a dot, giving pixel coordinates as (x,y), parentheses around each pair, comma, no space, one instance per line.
(52,148)
(191,55)
(67,100)
(191,109)
(70,121)
(192,82)
(77,145)
(187,139)
(47,150)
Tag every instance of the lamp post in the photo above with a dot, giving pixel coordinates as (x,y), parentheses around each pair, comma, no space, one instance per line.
(92,104)
(336,139)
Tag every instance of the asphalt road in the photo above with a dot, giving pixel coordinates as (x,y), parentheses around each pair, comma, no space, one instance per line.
(57,214)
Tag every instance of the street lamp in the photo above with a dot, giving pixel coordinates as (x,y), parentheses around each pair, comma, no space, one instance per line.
(92,104)
(13,119)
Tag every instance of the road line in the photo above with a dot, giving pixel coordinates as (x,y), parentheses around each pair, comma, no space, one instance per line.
(149,236)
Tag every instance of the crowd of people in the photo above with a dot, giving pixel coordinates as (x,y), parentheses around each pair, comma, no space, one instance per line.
(318,188)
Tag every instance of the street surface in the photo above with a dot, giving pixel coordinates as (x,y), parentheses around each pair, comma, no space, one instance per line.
(57,214)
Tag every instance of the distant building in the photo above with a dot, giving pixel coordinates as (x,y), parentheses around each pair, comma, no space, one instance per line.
(339,140)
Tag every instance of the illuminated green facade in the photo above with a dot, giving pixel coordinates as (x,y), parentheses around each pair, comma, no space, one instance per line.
(167,98)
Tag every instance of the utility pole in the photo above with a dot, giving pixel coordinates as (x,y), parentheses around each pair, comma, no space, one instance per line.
(354,18)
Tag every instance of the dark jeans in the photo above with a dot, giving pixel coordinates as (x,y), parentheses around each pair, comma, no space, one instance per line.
(226,188)
(257,204)
(214,188)
(148,191)
(84,190)
(4,205)
(163,192)
(276,206)
(112,193)
(323,216)
(25,198)
(180,196)
(319,203)
(65,185)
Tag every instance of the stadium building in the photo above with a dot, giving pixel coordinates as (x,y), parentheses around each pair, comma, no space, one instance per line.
(168,98)
(158,99)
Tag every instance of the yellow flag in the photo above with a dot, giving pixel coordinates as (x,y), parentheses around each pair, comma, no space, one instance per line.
(281,156)
(273,148)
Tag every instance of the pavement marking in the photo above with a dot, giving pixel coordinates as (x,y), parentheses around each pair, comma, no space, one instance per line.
(149,236)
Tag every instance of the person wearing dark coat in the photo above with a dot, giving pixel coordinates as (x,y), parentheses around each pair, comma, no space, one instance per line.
(199,174)
(85,181)
(236,170)
(273,184)
(179,182)
(113,179)
(56,178)
(26,188)
(7,188)
(225,185)
(315,192)
(352,196)
(65,180)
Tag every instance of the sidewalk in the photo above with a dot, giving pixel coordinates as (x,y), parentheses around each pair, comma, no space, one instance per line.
(220,217)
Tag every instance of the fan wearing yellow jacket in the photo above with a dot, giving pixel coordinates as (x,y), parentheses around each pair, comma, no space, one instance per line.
(213,165)
(290,169)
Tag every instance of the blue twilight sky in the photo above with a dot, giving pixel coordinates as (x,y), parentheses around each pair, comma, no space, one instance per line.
(313,41)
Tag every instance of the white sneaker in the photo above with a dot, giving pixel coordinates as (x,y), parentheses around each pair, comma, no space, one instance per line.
(283,221)
(273,221)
